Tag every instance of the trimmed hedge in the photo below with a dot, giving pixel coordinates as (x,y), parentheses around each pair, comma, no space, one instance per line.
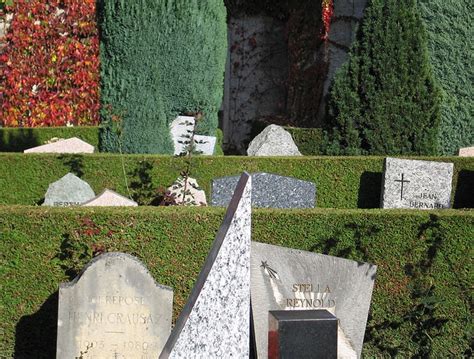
(342,182)
(420,305)
(20,139)
(449,27)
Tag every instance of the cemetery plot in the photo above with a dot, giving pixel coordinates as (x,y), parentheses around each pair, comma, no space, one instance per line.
(289,279)
(416,184)
(113,309)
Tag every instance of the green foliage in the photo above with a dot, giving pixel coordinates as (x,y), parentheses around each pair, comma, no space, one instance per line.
(132,112)
(449,27)
(20,139)
(175,51)
(421,300)
(385,100)
(342,182)
(310,141)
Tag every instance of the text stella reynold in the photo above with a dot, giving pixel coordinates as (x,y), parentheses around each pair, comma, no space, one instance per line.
(308,295)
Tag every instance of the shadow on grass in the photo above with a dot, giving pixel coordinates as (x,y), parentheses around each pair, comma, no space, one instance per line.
(35,334)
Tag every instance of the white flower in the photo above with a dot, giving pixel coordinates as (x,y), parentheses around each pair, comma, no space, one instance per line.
(34,89)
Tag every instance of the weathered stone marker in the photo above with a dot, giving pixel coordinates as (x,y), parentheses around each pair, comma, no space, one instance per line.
(215,322)
(109,198)
(290,279)
(416,184)
(268,191)
(70,145)
(68,191)
(273,141)
(113,309)
(302,334)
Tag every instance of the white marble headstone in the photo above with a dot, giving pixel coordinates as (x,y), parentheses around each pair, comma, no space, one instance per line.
(215,321)
(113,309)
(71,145)
(290,279)
(181,129)
(110,198)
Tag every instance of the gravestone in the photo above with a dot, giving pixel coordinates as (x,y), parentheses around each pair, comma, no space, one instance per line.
(69,190)
(273,141)
(416,184)
(215,321)
(302,334)
(71,145)
(181,129)
(290,279)
(111,199)
(113,309)
(268,190)
(466,152)
(193,194)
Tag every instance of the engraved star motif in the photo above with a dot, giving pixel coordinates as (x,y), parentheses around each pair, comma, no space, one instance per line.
(269,270)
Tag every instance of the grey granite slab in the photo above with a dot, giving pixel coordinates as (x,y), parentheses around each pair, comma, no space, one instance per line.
(416,184)
(268,191)
(113,309)
(290,279)
(69,190)
(109,198)
(215,321)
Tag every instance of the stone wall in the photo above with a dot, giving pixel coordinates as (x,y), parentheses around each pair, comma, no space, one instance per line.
(257,72)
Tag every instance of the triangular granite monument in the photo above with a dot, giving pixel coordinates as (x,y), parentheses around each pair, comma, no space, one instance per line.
(215,321)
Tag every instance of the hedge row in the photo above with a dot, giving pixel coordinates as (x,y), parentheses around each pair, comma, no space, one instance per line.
(342,182)
(420,305)
(20,139)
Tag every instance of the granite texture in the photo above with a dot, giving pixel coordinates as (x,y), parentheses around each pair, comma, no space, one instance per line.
(109,198)
(215,321)
(289,279)
(69,190)
(268,190)
(181,129)
(71,145)
(302,334)
(113,309)
(416,184)
(193,195)
(273,141)
(466,152)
